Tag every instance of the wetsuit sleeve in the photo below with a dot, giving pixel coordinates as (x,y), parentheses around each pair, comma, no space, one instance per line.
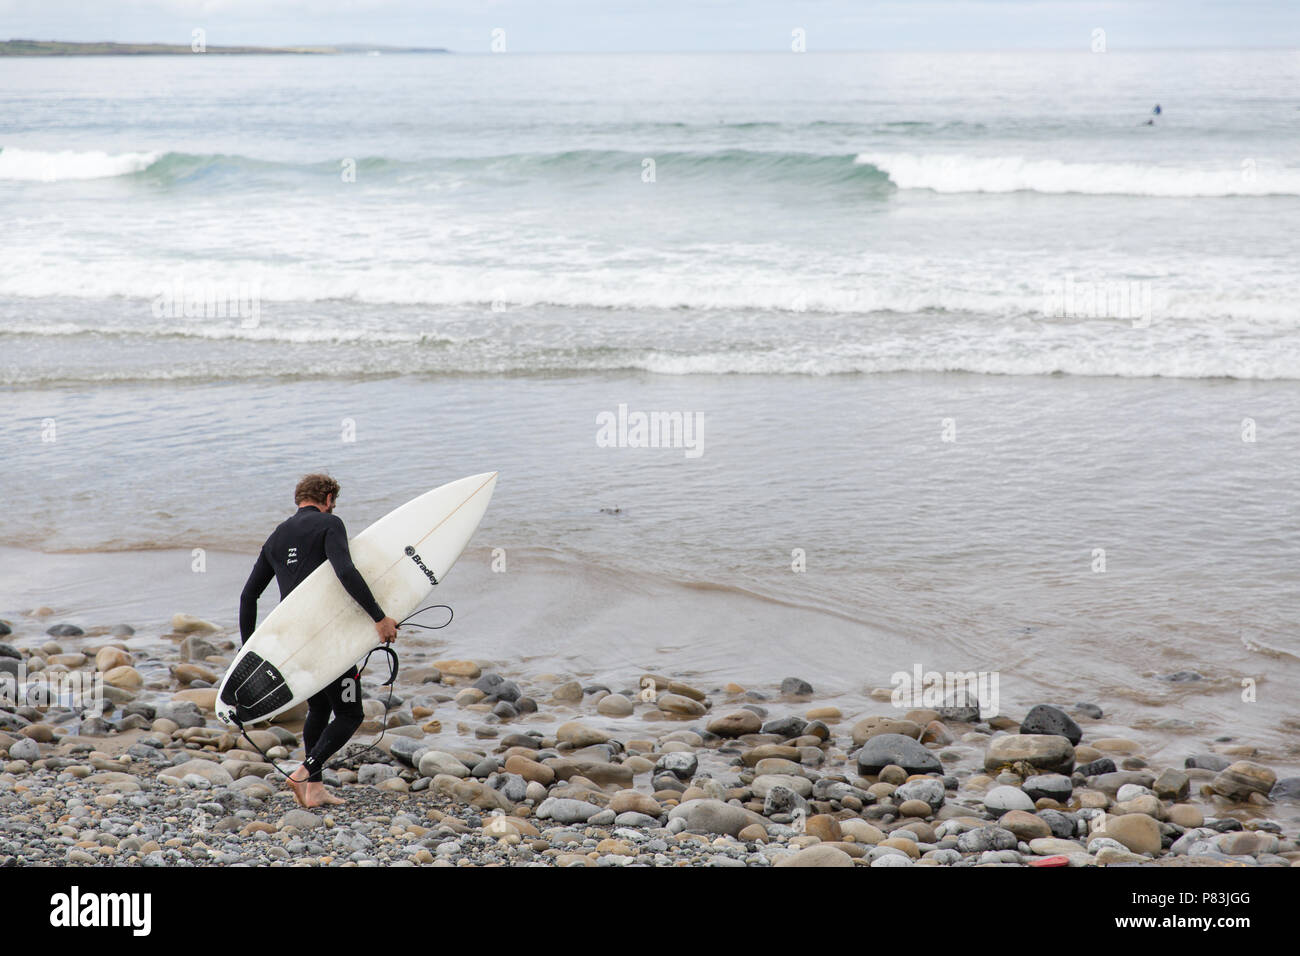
(253,588)
(336,549)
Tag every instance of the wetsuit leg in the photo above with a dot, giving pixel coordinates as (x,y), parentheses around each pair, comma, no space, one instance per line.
(344,696)
(318,715)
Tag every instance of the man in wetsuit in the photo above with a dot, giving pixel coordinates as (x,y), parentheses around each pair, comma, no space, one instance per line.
(294,550)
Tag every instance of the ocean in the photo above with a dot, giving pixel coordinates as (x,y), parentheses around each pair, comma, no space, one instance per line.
(989,374)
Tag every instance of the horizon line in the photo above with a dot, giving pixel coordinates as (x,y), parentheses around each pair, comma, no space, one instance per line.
(311,49)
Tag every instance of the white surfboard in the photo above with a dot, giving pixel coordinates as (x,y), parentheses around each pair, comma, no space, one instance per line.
(315,634)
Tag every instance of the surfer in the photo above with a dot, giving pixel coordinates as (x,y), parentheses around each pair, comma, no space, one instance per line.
(296,548)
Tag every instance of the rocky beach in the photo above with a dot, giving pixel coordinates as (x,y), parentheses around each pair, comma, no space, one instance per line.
(482,764)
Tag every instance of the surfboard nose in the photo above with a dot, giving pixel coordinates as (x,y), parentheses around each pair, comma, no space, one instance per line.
(487,482)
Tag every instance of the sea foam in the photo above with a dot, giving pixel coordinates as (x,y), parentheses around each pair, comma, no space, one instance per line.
(958,173)
(41,166)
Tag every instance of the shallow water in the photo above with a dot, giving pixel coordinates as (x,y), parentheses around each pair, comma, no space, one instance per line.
(972,555)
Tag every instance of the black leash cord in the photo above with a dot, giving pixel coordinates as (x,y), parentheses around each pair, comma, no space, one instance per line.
(392,679)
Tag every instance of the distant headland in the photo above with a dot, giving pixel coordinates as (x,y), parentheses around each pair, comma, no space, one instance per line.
(62,48)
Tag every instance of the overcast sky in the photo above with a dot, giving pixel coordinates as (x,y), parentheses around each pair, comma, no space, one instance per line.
(687,25)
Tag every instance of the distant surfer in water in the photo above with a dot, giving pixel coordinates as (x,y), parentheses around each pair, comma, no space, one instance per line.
(296,548)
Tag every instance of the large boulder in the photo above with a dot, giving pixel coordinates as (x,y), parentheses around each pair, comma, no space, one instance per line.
(714,816)
(530,769)
(1003,799)
(434,762)
(1242,779)
(982,839)
(816,855)
(633,801)
(736,724)
(1137,831)
(107,658)
(681,705)
(1054,786)
(902,751)
(566,810)
(578,735)
(1215,762)
(195,648)
(188,624)
(930,791)
(1046,719)
(407,750)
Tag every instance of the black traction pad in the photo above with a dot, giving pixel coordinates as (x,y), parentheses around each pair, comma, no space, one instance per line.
(255,689)
(247,664)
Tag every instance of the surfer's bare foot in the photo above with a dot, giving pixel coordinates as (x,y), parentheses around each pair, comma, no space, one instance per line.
(297,782)
(317,796)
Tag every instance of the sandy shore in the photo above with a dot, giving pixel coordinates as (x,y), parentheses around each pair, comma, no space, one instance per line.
(504,767)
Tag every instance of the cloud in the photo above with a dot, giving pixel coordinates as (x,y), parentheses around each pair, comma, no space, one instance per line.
(621,25)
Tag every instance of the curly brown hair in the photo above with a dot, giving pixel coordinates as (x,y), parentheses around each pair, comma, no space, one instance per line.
(315,488)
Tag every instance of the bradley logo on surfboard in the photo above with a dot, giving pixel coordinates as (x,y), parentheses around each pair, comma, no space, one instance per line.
(420,564)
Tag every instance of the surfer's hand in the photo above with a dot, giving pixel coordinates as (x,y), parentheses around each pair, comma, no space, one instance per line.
(387,629)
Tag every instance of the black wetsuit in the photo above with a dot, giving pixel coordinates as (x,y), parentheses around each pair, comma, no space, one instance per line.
(294,550)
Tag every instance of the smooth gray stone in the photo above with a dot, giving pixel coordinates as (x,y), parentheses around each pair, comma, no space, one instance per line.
(712,816)
(885,749)
(24,748)
(1064,825)
(787,727)
(1287,789)
(681,764)
(781,799)
(930,791)
(891,860)
(987,838)
(1109,783)
(1002,799)
(407,750)
(631,818)
(511,785)
(371,774)
(1054,786)
(566,810)
(1046,719)
(796,687)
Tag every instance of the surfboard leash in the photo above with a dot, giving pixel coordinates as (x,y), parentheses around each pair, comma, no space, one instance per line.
(392,679)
